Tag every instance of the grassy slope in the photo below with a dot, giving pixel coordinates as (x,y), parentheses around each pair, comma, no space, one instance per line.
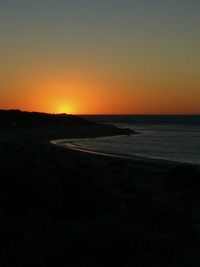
(63,206)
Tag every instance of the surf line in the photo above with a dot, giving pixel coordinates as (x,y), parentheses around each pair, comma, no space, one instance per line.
(67,143)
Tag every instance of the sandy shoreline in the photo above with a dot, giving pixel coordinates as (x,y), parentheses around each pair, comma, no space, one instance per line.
(64,205)
(71,144)
(67,143)
(53,198)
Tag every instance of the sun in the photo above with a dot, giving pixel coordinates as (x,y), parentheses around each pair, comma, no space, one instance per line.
(64,108)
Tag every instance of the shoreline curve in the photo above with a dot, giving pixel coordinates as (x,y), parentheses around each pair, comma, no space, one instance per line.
(69,144)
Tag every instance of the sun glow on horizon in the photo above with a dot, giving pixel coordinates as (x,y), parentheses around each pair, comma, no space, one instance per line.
(67,108)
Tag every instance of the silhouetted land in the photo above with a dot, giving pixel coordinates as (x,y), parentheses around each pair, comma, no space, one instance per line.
(47,126)
(65,208)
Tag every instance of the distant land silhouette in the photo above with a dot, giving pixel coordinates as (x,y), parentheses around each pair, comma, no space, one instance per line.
(56,125)
(23,118)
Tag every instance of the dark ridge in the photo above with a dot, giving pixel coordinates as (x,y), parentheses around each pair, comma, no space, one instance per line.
(56,125)
(17,118)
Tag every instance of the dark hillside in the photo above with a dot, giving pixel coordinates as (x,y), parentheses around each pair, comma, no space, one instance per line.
(52,126)
(19,118)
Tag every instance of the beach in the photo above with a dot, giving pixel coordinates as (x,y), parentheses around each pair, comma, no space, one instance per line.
(72,144)
(86,209)
(177,142)
(100,133)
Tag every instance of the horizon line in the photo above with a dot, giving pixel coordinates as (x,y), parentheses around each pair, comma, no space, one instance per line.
(109,114)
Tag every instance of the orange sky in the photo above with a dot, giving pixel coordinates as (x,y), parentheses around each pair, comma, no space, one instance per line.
(90,93)
(100,57)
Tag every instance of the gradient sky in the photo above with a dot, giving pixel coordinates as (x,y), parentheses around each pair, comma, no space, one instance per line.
(100,56)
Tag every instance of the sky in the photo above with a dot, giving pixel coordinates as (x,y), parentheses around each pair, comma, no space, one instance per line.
(100,56)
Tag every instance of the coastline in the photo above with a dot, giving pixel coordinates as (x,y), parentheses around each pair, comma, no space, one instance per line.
(73,146)
(68,198)
(70,144)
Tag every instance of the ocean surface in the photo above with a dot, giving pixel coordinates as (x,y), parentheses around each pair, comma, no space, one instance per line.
(175,138)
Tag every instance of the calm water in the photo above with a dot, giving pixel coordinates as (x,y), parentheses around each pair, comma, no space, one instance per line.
(177,142)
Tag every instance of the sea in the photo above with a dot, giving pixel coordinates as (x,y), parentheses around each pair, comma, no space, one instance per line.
(174,138)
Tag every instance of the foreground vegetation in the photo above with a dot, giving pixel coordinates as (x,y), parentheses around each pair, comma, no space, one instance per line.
(65,208)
